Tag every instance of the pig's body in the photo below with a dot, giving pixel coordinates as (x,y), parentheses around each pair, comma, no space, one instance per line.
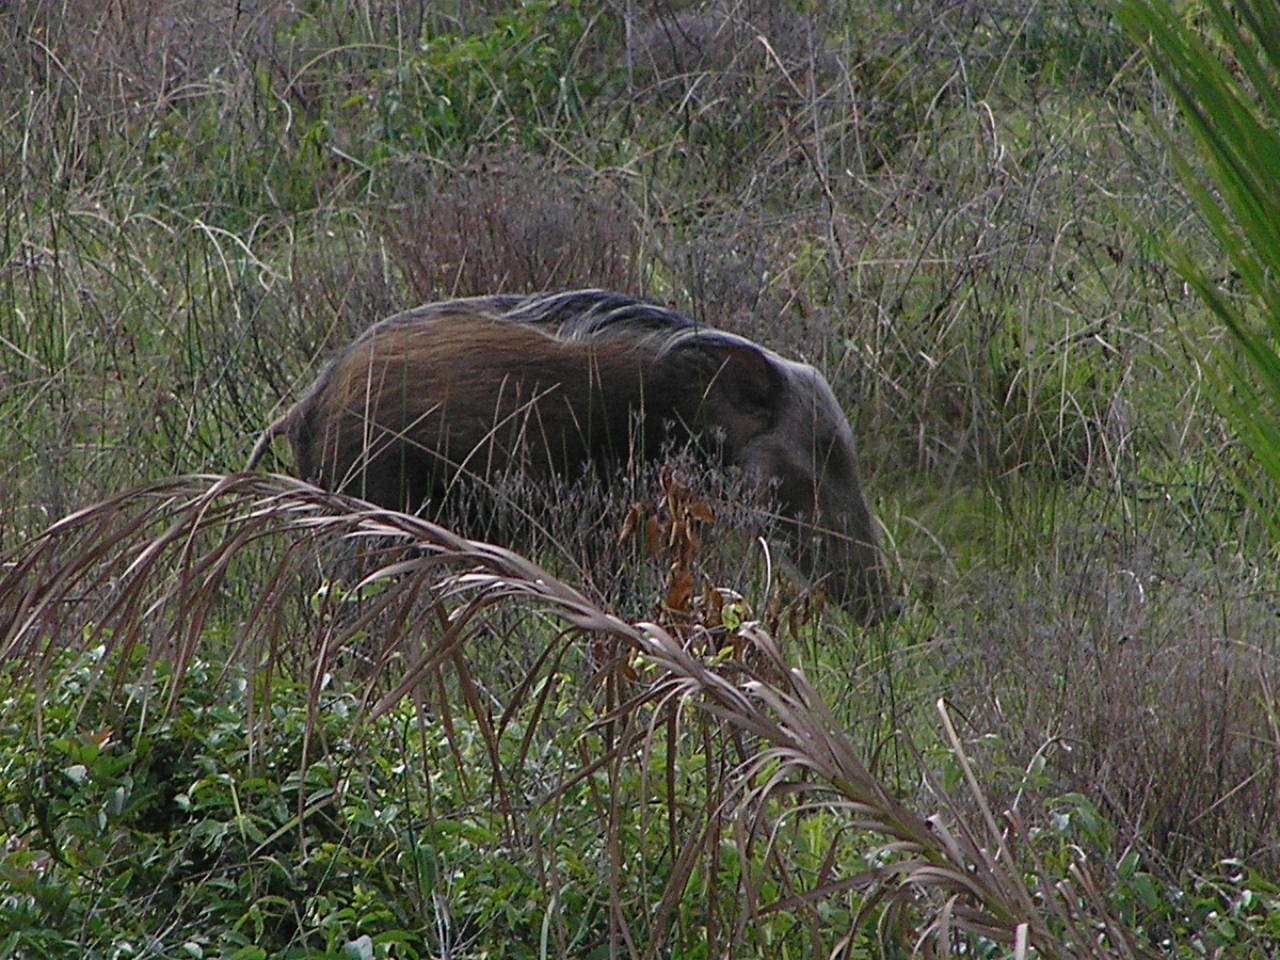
(547,386)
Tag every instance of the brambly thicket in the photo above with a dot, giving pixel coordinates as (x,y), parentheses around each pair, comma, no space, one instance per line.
(1031,243)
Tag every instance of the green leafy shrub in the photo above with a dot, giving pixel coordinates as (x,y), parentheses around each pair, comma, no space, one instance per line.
(501,83)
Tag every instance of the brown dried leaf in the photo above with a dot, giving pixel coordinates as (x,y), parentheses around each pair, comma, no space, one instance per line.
(679,590)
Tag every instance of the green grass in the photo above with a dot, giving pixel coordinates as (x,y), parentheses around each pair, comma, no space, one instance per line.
(956,211)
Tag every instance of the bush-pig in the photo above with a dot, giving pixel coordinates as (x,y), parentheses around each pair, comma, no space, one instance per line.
(552,385)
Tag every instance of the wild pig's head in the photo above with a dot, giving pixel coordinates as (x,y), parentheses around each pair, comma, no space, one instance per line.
(783,426)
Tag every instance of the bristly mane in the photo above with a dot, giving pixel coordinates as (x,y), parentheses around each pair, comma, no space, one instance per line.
(583,314)
(577,315)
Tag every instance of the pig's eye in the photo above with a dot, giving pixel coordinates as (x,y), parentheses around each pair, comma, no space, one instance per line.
(830,461)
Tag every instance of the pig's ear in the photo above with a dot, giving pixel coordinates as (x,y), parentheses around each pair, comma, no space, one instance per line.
(745,376)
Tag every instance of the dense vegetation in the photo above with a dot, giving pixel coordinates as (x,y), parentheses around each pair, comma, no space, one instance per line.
(218,741)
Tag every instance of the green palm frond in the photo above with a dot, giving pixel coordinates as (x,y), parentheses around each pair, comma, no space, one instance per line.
(1221,61)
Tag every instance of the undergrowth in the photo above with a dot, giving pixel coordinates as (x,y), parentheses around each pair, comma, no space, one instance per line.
(952,209)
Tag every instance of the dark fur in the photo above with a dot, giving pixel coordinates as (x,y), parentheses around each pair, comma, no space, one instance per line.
(550,385)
